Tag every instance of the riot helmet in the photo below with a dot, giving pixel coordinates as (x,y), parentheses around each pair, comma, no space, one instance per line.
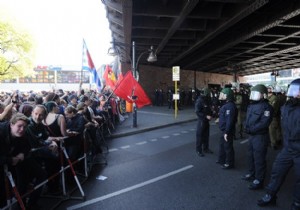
(294,89)
(277,89)
(226,94)
(205,92)
(270,89)
(258,92)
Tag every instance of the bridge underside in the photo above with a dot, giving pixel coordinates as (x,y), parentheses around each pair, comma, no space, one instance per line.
(217,36)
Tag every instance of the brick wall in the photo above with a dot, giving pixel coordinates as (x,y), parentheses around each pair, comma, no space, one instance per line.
(152,78)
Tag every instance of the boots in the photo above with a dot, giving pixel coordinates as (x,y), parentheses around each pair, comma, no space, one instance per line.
(267,199)
(295,206)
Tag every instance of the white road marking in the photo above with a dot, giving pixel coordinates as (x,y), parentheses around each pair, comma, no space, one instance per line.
(142,184)
(153,139)
(184,131)
(113,149)
(244,141)
(165,137)
(176,134)
(141,143)
(125,147)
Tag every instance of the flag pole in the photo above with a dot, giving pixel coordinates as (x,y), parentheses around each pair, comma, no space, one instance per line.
(118,84)
(81,72)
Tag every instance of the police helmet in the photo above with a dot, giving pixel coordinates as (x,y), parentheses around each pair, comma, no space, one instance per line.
(294,89)
(205,92)
(277,89)
(258,92)
(270,89)
(226,94)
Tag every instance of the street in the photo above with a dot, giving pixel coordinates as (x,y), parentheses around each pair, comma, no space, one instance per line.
(159,169)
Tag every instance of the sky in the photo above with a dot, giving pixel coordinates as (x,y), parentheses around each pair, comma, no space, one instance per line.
(59,26)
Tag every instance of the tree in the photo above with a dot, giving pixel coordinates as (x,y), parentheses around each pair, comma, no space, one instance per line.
(15,52)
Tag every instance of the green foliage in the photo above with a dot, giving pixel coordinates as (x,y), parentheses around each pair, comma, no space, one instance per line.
(15,52)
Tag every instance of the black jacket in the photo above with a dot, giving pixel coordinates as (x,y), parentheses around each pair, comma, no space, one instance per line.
(228,117)
(259,117)
(11,146)
(202,108)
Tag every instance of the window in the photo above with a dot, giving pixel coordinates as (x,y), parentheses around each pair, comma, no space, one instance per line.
(72,77)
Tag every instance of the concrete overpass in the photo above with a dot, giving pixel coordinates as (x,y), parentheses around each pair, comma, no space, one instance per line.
(216,36)
(213,41)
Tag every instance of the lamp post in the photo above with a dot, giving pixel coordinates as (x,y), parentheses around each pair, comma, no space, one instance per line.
(134,113)
(151,58)
(134,65)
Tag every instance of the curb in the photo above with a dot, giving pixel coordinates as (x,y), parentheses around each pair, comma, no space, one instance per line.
(129,133)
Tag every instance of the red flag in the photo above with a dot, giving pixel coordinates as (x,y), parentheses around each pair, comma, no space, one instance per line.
(128,86)
(120,78)
(109,77)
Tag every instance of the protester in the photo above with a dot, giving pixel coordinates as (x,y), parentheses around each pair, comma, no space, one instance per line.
(44,146)
(15,154)
(76,125)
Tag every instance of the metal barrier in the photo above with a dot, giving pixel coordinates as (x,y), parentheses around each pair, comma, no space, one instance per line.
(89,160)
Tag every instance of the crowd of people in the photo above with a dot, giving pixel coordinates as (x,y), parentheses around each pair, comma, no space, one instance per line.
(269,118)
(34,126)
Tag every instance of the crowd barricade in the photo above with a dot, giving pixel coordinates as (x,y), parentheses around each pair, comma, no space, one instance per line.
(10,184)
(88,158)
(107,124)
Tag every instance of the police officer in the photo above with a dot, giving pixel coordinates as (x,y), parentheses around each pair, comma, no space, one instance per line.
(258,119)
(204,113)
(290,154)
(238,100)
(282,99)
(227,119)
(274,126)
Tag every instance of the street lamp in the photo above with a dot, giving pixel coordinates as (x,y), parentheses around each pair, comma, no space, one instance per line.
(134,64)
(151,58)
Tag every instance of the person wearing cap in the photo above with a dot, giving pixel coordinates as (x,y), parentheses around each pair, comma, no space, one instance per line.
(227,119)
(289,156)
(204,114)
(258,119)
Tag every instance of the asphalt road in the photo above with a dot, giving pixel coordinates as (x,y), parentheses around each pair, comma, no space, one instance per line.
(159,170)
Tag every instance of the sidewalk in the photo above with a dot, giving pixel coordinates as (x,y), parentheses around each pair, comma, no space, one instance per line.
(153,117)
